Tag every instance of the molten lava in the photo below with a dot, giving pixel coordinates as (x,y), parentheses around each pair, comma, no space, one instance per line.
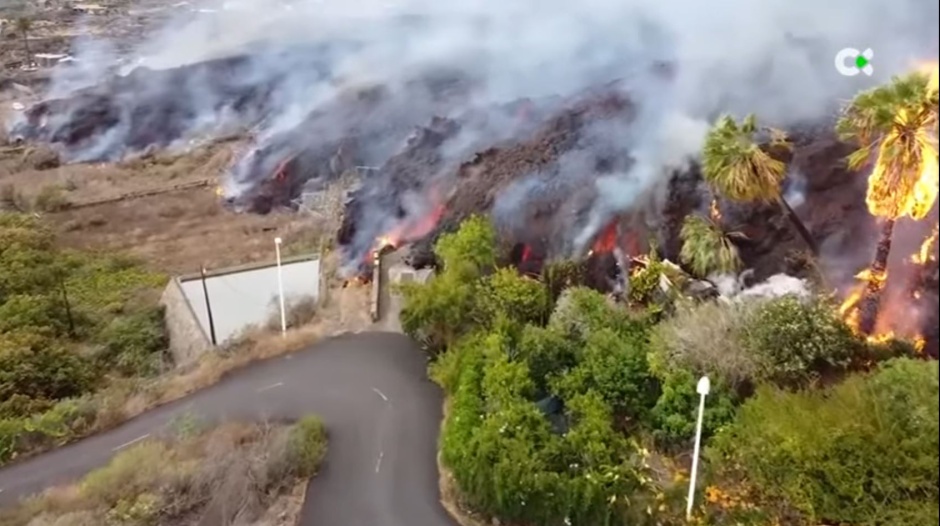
(411,229)
(607,240)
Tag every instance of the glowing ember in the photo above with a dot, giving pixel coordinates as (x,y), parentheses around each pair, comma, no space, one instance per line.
(925,253)
(526,253)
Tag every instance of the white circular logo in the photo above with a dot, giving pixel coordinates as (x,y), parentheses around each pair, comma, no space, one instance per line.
(851,62)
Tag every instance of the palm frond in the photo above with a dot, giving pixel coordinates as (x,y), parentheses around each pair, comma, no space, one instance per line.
(896,124)
(706,249)
(735,164)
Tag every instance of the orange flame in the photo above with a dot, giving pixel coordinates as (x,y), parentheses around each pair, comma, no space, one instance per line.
(411,229)
(925,252)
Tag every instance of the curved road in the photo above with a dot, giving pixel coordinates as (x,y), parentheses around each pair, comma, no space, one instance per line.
(371,390)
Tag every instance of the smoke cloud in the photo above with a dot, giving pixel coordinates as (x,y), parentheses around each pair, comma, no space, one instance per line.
(770,57)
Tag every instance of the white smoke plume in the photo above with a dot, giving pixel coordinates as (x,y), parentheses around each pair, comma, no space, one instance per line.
(771,57)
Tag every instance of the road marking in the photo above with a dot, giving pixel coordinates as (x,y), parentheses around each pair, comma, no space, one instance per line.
(132,442)
(380,393)
(269,387)
(378,462)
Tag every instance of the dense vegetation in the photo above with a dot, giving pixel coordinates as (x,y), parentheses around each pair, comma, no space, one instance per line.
(568,409)
(572,409)
(70,323)
(224,475)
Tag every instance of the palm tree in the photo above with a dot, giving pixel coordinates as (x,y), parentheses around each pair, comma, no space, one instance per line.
(735,165)
(896,127)
(706,248)
(23,25)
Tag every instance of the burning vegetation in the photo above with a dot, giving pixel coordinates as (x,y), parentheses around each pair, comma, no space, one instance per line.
(895,127)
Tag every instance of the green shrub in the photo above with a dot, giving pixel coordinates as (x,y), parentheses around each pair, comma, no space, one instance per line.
(705,339)
(132,345)
(674,415)
(437,313)
(307,445)
(864,452)
(615,368)
(38,368)
(581,311)
(131,473)
(546,353)
(517,297)
(796,340)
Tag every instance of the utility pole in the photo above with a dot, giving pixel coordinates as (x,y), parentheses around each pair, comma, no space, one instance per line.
(205,293)
(68,306)
(280,286)
(703,388)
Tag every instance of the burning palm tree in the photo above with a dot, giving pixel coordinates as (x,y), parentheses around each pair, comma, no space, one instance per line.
(734,163)
(895,126)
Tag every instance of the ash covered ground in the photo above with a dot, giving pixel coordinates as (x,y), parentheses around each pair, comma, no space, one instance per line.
(557,120)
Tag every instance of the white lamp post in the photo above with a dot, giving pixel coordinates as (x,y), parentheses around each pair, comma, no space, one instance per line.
(703,387)
(280,285)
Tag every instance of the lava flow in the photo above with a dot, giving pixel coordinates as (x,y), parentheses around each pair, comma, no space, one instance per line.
(410,229)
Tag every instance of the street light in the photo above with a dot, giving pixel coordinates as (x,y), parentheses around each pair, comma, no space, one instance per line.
(280,285)
(703,387)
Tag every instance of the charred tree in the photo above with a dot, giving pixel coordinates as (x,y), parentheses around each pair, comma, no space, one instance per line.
(871,302)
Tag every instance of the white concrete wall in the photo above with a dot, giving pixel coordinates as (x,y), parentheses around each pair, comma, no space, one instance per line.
(244,299)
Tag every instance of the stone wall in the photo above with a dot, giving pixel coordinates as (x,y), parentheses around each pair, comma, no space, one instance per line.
(188,341)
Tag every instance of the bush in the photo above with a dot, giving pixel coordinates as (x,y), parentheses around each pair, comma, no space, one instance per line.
(546,353)
(51,198)
(864,452)
(796,340)
(129,474)
(38,368)
(705,339)
(509,463)
(615,368)
(506,293)
(581,311)
(132,345)
(674,416)
(307,445)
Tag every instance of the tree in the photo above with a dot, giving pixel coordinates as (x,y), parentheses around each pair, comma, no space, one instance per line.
(615,368)
(23,26)
(471,248)
(734,164)
(895,125)
(506,293)
(706,248)
(440,311)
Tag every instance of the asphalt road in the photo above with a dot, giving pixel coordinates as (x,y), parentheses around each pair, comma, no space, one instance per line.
(372,391)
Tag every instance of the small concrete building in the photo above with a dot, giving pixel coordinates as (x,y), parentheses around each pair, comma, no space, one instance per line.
(229,302)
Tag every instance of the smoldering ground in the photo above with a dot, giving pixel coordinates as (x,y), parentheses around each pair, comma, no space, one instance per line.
(774,58)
